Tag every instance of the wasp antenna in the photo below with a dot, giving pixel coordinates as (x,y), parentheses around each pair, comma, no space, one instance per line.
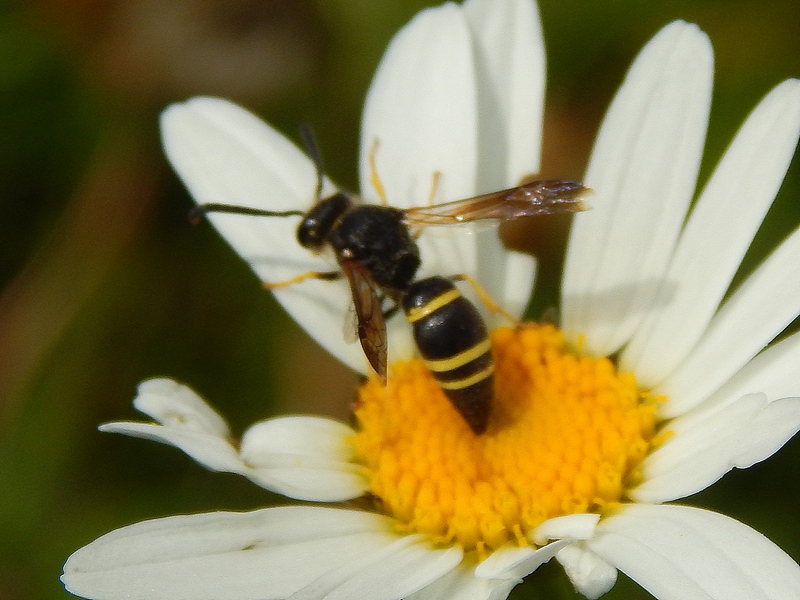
(201,210)
(312,149)
(196,214)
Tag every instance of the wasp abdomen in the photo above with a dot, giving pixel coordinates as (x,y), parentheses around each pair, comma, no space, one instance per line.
(454,343)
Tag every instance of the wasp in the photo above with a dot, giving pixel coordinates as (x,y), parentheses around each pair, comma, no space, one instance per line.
(376,251)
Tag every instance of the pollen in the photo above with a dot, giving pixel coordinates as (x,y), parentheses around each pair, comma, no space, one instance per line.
(567,435)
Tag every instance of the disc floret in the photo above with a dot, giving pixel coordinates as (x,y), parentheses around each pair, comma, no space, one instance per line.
(566,436)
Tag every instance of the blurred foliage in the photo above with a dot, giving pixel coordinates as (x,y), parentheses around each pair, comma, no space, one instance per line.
(105,284)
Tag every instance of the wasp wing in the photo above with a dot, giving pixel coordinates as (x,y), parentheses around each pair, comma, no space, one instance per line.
(371,323)
(542,197)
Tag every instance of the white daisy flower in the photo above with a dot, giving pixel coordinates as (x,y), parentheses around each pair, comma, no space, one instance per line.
(656,386)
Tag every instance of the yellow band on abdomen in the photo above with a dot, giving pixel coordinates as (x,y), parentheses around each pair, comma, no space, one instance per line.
(459,360)
(460,384)
(417,313)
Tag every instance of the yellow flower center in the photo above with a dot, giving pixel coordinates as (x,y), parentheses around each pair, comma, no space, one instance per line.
(566,435)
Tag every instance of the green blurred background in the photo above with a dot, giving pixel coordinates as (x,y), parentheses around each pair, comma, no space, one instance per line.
(104,283)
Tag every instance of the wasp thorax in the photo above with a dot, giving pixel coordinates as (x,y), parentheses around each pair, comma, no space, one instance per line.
(378,238)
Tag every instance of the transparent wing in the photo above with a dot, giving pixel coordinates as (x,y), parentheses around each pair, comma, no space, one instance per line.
(542,197)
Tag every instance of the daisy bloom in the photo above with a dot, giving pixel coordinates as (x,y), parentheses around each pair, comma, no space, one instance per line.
(660,380)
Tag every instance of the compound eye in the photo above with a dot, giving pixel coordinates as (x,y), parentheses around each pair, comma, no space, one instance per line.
(313,231)
(309,235)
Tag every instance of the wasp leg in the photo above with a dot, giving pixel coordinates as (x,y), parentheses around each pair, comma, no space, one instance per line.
(374,179)
(326,275)
(437,175)
(416,228)
(486,298)
(390,312)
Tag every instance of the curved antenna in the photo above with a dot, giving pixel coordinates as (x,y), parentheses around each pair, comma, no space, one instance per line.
(310,143)
(199,211)
(312,149)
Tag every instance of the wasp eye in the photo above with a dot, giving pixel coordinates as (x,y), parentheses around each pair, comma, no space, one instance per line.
(312,233)
(308,234)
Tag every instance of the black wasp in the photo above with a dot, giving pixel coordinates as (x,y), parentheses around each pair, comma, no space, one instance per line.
(376,251)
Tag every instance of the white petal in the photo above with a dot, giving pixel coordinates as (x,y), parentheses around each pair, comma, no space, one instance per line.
(751,318)
(643,171)
(422,109)
(509,59)
(214,452)
(462,584)
(396,571)
(187,422)
(306,458)
(717,235)
(511,79)
(775,425)
(309,437)
(707,445)
(331,482)
(514,562)
(269,553)
(682,553)
(577,527)
(226,155)
(176,405)
(774,372)
(520,275)
(590,574)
